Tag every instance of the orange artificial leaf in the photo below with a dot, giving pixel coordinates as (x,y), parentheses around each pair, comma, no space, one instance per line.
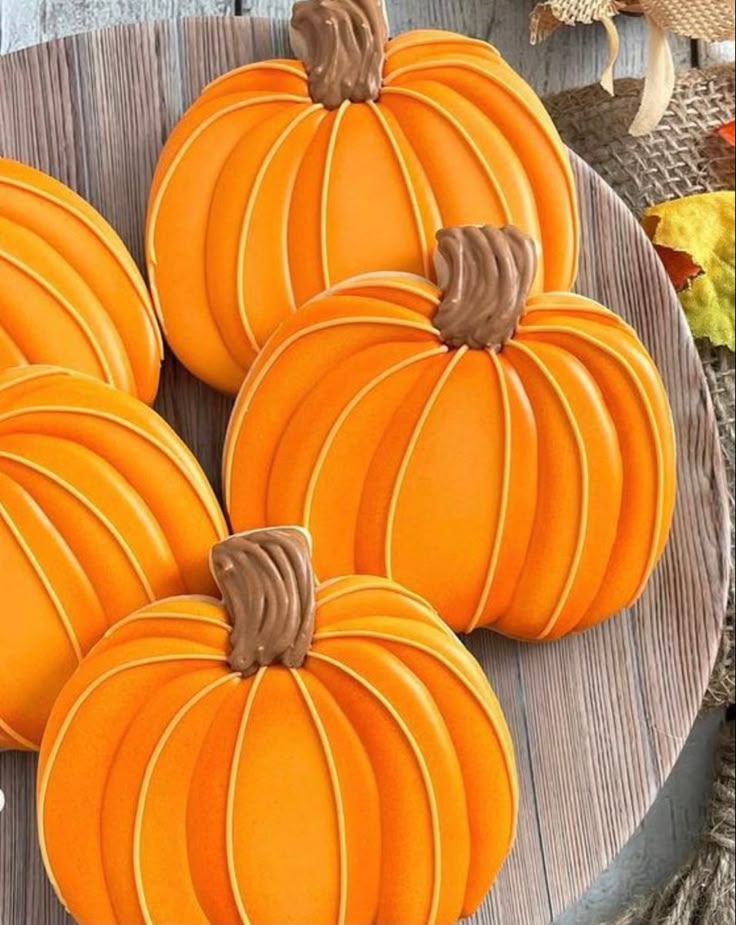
(726,132)
(680,266)
(694,236)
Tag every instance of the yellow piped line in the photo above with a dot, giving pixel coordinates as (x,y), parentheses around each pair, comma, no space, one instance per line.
(14,343)
(589,309)
(45,581)
(125,262)
(243,405)
(411,192)
(435,211)
(649,410)
(446,38)
(324,199)
(466,137)
(585,478)
(398,280)
(573,303)
(255,66)
(189,142)
(32,372)
(557,150)
(505,484)
(193,477)
(93,509)
(423,769)
(336,794)
(153,615)
(17,737)
(248,218)
(286,220)
(409,452)
(152,227)
(377,585)
(181,713)
(231,785)
(43,782)
(493,78)
(67,306)
(505,744)
(345,414)
(384,584)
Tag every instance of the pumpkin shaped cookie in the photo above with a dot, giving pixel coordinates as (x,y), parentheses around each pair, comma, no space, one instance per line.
(291,754)
(509,457)
(286,177)
(102,509)
(72,295)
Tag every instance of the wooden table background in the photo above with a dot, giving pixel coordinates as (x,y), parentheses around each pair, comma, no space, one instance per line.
(570,58)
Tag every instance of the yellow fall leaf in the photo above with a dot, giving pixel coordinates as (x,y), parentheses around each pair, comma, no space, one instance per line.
(695,238)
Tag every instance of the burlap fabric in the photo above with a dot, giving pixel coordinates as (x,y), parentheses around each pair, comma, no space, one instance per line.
(712,20)
(681,157)
(551,14)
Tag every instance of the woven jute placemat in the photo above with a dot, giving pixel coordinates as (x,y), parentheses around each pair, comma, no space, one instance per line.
(682,156)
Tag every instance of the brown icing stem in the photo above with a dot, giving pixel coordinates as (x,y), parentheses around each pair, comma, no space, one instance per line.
(341,43)
(267,585)
(485,274)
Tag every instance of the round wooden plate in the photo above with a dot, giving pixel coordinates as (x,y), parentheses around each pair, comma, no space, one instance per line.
(599,719)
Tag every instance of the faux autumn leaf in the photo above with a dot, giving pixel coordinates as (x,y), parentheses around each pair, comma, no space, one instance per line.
(694,236)
(727,132)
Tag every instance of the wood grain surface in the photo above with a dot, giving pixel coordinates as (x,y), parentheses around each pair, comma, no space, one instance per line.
(570,58)
(599,719)
(28,22)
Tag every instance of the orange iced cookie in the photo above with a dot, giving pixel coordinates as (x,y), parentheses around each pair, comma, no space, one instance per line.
(288,176)
(509,457)
(72,295)
(102,509)
(291,754)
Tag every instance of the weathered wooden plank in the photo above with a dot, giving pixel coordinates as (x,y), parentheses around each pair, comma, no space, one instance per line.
(715,53)
(572,57)
(598,719)
(666,837)
(27,22)
(20,23)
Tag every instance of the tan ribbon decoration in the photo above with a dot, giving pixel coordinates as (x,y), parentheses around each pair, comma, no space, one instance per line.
(659,82)
(606,79)
(710,20)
